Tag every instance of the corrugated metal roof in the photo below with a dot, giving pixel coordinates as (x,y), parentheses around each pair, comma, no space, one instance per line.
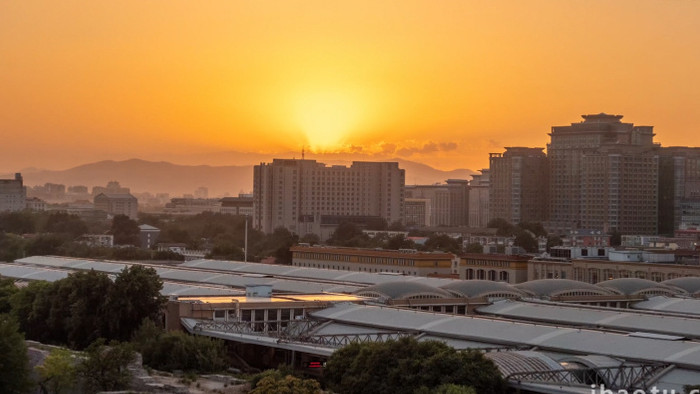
(629,321)
(503,332)
(313,273)
(52,275)
(196,276)
(674,305)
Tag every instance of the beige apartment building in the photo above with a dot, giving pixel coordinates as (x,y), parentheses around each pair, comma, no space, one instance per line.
(603,175)
(117,204)
(305,196)
(404,262)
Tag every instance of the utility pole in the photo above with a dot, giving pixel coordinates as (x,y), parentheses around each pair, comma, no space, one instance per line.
(245,247)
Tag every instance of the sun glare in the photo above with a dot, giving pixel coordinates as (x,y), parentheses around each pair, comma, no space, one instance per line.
(327,118)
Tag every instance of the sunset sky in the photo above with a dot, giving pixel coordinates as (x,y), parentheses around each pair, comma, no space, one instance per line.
(439,82)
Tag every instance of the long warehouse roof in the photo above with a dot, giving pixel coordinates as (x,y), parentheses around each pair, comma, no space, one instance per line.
(511,333)
(239,280)
(25,272)
(627,320)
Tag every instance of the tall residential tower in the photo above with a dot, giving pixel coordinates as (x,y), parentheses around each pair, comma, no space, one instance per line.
(603,175)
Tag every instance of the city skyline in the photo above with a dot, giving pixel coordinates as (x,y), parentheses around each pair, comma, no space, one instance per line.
(445,85)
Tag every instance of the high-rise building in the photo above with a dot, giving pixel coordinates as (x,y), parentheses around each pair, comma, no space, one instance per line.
(518,185)
(13,194)
(448,204)
(309,197)
(679,187)
(603,175)
(479,199)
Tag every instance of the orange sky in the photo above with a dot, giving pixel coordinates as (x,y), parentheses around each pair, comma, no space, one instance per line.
(441,82)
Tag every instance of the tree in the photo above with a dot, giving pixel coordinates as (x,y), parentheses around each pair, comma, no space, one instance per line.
(17,222)
(399,242)
(80,306)
(45,244)
(535,228)
(504,228)
(31,306)
(64,223)
(405,365)
(11,247)
(443,242)
(277,383)
(134,296)
(14,362)
(177,350)
(525,240)
(310,238)
(474,248)
(125,231)
(7,289)
(58,372)
(105,367)
(348,234)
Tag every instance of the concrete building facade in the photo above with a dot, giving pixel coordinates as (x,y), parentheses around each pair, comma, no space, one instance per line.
(679,188)
(479,199)
(446,204)
(518,185)
(603,175)
(305,196)
(13,194)
(117,204)
(404,262)
(493,267)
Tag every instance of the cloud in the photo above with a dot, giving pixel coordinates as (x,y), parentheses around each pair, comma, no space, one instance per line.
(429,147)
(448,146)
(388,148)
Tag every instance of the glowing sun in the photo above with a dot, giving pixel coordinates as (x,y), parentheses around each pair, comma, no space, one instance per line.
(327,118)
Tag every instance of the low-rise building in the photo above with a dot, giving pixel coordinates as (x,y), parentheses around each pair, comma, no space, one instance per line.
(493,267)
(148,235)
(594,271)
(403,261)
(240,205)
(36,204)
(117,204)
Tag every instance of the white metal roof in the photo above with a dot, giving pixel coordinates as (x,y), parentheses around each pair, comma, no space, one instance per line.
(627,320)
(366,278)
(688,306)
(51,275)
(193,275)
(504,332)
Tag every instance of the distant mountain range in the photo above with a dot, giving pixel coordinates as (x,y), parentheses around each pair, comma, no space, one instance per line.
(156,177)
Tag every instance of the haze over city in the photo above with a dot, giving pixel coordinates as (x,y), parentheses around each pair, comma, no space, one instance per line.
(231,83)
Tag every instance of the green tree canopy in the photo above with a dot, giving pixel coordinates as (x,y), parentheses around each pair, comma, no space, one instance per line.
(14,363)
(177,350)
(105,367)
(125,231)
(58,372)
(7,290)
(405,365)
(443,242)
(134,296)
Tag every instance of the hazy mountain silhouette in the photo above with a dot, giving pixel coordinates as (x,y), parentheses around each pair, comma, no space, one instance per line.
(148,176)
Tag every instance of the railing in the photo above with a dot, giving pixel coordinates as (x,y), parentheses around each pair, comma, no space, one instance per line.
(630,377)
